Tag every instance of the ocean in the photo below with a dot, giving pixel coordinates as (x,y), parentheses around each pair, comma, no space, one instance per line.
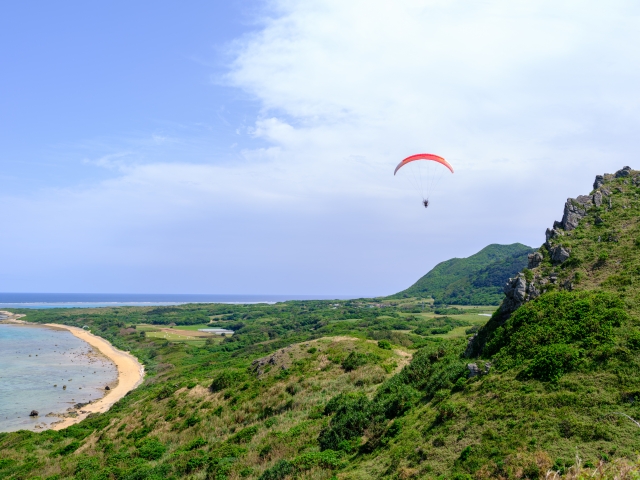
(97,300)
(35,364)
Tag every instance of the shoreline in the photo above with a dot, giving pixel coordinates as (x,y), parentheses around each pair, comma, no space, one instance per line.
(130,370)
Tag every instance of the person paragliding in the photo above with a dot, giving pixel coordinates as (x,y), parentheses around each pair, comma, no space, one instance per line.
(427,180)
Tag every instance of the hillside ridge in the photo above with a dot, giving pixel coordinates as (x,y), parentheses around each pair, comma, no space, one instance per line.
(548,268)
(473,280)
(369,389)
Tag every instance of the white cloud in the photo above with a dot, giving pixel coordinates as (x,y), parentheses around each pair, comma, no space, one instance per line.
(543,94)
(528,100)
(417,70)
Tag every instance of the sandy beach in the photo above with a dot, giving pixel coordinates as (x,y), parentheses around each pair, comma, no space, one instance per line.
(130,370)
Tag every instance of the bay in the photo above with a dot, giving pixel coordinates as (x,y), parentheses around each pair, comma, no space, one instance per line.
(35,364)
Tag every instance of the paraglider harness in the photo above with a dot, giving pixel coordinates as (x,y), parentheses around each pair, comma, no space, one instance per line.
(426,203)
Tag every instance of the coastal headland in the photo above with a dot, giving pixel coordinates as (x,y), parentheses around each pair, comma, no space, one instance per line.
(130,370)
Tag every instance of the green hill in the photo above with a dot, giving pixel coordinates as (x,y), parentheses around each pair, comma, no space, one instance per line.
(548,388)
(475,280)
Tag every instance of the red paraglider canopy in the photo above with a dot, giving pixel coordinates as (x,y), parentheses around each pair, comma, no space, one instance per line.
(423,156)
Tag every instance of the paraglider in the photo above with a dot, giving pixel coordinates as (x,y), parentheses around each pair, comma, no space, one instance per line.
(427,181)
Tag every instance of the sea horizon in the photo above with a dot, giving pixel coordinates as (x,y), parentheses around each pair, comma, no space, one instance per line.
(98,300)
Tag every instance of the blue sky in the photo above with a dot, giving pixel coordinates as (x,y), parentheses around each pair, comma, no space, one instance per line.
(83,79)
(248,147)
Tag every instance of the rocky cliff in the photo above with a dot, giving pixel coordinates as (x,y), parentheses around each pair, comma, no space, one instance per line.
(549,268)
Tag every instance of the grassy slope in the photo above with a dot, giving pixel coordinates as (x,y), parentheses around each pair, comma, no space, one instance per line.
(509,424)
(174,427)
(476,280)
(535,410)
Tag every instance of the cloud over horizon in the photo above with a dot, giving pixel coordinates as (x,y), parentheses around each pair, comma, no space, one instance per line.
(527,101)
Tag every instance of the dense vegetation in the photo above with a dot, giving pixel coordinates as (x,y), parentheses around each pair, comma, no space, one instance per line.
(377,388)
(476,280)
(207,411)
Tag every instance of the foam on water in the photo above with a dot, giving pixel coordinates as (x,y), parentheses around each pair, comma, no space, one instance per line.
(100,300)
(32,361)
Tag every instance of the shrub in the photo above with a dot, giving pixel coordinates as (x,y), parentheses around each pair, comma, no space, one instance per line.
(150,448)
(293,388)
(551,362)
(634,341)
(196,443)
(192,420)
(86,467)
(384,344)
(353,412)
(246,472)
(165,392)
(435,367)
(353,361)
(278,472)
(139,433)
(441,330)
(245,435)
(582,319)
(472,329)
(328,459)
(265,451)
(447,411)
(394,397)
(66,450)
(225,379)
(465,454)
(462,476)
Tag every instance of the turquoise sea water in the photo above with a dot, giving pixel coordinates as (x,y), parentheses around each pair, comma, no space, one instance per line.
(97,300)
(32,361)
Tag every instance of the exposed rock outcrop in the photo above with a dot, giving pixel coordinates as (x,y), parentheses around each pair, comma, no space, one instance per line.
(515,291)
(535,259)
(598,182)
(278,358)
(597,198)
(519,290)
(559,254)
(474,370)
(551,234)
(623,172)
(575,210)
